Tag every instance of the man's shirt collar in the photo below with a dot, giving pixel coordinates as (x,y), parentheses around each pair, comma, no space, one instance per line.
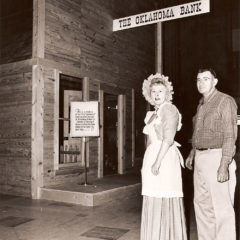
(205,100)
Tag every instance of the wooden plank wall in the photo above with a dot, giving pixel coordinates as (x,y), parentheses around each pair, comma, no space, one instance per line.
(49,121)
(15,132)
(49,99)
(79,33)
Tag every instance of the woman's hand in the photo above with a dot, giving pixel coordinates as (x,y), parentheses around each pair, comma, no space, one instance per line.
(155,168)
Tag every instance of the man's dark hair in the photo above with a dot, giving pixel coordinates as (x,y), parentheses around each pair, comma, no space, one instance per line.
(201,70)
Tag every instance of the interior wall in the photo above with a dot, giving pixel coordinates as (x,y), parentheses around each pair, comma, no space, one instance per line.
(208,40)
(201,41)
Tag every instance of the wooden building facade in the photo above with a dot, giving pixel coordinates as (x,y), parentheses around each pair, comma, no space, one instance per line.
(54,52)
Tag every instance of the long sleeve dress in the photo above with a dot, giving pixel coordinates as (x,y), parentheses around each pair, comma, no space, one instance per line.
(162,212)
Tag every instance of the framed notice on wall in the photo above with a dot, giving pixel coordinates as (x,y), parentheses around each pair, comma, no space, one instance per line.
(84,119)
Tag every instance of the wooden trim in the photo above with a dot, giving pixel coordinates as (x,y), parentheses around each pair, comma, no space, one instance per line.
(37,130)
(101,138)
(66,69)
(121,133)
(133,127)
(56,119)
(15,67)
(158,48)
(85,89)
(86,98)
(38,46)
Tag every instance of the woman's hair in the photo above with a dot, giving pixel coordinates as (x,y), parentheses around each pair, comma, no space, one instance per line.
(157,81)
(157,78)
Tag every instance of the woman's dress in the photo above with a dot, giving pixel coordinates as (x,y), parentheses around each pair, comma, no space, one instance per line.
(163,211)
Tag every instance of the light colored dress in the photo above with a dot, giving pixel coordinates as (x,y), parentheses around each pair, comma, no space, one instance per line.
(163,211)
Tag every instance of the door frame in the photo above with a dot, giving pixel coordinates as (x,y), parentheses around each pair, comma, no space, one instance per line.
(121,133)
(85,94)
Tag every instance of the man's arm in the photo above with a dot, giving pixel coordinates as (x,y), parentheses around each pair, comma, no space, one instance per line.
(229,119)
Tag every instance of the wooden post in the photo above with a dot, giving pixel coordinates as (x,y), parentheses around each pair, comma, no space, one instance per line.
(85,161)
(158,48)
(86,98)
(56,119)
(101,138)
(38,46)
(121,133)
(133,127)
(37,130)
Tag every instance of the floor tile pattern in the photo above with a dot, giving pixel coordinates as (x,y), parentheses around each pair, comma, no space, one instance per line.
(12,221)
(105,233)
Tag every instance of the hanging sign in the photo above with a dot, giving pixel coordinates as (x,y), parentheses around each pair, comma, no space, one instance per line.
(161,15)
(84,119)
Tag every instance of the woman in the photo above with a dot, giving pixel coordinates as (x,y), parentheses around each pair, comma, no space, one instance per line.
(162,211)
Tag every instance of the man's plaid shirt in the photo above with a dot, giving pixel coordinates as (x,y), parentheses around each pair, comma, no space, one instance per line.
(215,124)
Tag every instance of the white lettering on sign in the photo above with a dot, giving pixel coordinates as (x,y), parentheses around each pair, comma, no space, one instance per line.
(166,14)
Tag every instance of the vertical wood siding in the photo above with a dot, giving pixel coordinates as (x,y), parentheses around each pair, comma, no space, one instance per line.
(48,121)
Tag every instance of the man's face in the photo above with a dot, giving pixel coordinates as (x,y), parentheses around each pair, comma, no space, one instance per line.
(206,83)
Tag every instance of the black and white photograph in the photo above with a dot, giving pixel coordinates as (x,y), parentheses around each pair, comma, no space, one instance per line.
(119,119)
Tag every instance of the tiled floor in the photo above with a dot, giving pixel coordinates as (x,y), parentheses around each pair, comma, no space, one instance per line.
(26,219)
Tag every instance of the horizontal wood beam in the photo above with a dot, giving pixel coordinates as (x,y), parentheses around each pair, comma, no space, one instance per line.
(67,69)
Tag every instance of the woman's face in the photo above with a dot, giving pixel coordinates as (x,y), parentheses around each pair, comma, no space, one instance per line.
(158,94)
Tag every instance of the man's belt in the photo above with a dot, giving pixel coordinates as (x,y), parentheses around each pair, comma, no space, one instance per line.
(205,149)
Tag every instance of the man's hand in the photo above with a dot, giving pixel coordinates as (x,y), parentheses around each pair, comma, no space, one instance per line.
(222,173)
(189,160)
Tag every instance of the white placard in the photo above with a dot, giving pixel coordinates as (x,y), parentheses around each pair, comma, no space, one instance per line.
(84,119)
(161,15)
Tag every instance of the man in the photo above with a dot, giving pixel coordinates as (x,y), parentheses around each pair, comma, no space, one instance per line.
(213,141)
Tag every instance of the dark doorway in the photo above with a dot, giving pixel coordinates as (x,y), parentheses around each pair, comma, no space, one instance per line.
(70,148)
(110,134)
(140,112)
